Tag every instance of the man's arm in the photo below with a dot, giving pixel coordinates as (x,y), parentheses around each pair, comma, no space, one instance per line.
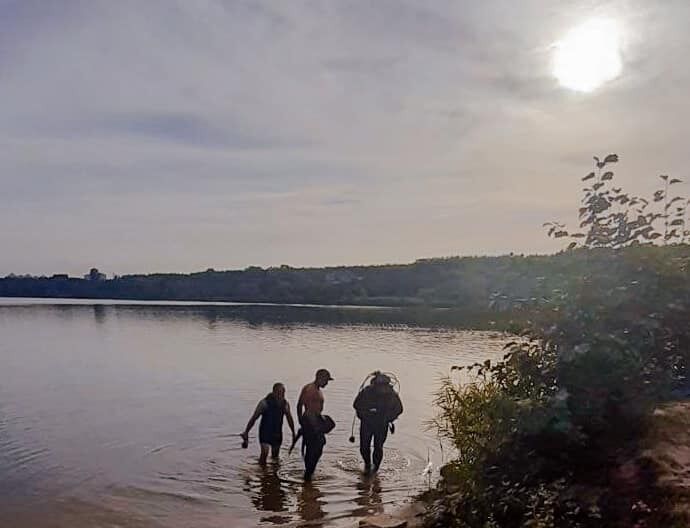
(290,421)
(359,403)
(396,407)
(300,406)
(257,412)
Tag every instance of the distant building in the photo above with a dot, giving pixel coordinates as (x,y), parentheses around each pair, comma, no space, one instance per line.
(95,275)
(60,276)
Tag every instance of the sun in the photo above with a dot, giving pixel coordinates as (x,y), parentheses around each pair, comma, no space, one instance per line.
(588,56)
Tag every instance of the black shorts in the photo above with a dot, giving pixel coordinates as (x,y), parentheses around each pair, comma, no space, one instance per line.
(272,440)
(311,434)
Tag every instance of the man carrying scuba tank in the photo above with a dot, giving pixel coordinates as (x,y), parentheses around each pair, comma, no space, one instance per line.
(377,407)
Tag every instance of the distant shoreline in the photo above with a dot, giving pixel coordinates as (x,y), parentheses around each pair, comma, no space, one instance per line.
(468,284)
(88,301)
(470,292)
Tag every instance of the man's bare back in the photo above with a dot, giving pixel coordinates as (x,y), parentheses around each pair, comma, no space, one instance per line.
(312,399)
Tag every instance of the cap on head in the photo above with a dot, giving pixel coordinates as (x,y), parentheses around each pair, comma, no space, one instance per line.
(323,374)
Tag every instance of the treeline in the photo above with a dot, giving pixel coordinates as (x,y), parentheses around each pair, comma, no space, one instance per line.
(496,284)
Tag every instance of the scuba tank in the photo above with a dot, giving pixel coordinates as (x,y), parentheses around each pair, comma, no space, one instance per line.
(392,380)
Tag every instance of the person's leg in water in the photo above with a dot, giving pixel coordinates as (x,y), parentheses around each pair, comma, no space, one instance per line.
(366,432)
(313,444)
(275,451)
(264,453)
(380,435)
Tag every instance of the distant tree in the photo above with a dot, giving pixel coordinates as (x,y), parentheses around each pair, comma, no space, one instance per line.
(95,275)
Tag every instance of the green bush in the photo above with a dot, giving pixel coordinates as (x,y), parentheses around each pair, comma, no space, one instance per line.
(538,433)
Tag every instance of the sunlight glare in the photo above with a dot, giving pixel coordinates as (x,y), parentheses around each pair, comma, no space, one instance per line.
(588,56)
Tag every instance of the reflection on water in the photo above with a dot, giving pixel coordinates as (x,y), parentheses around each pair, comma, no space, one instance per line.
(310,503)
(127,415)
(99,313)
(279,314)
(271,496)
(369,496)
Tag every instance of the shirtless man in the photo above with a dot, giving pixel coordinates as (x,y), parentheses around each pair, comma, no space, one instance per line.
(309,410)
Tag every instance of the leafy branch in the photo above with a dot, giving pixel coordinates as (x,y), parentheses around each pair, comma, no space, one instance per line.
(610,217)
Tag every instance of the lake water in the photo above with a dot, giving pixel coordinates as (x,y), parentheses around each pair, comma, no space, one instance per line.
(127,414)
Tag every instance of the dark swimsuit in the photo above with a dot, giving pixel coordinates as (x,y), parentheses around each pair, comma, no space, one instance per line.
(271,428)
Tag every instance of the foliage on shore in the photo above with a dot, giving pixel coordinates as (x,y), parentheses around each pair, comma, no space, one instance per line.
(543,436)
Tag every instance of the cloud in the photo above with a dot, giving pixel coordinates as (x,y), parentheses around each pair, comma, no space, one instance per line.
(368,66)
(137,135)
(183,129)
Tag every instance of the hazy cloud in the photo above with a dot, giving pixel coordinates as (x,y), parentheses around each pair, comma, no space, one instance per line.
(172,135)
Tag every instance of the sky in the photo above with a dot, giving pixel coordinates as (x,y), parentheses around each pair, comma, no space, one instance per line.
(178,135)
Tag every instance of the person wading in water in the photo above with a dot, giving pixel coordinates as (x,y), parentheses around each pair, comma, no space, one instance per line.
(272,409)
(309,414)
(377,406)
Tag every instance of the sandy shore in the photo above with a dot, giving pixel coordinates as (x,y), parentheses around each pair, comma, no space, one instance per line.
(408,516)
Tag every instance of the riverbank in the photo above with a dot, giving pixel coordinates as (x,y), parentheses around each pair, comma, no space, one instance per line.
(408,516)
(667,457)
(646,485)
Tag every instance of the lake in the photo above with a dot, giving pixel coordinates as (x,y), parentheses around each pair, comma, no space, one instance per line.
(127,414)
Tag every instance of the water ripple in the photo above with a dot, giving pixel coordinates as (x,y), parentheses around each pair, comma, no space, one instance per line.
(132,416)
